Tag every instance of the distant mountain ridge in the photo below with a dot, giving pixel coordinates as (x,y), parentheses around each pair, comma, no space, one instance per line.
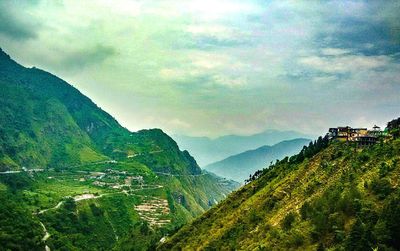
(239,167)
(207,151)
(331,196)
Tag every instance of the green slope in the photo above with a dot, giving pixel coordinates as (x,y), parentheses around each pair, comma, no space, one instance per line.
(238,167)
(47,124)
(337,198)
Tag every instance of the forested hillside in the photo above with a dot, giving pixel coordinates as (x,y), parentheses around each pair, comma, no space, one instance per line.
(331,196)
(45,122)
(72,178)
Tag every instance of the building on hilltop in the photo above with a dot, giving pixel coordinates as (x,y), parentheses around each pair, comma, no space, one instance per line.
(361,136)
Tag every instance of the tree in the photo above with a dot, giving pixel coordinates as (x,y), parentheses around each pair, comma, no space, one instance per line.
(70,204)
(288,220)
(356,240)
(394,127)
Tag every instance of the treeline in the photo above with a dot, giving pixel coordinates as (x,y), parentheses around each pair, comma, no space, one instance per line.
(315,147)
(307,152)
(394,128)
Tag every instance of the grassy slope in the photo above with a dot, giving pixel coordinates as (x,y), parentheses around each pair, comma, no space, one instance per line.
(336,199)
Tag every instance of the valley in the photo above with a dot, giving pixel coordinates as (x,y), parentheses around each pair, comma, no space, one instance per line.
(334,194)
(81,179)
(145,199)
(199,125)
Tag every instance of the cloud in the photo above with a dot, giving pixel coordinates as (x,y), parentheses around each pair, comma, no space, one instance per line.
(86,57)
(217,67)
(345,63)
(231,82)
(16,26)
(334,51)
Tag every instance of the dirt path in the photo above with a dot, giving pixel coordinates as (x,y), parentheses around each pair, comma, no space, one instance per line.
(46,235)
(9,172)
(88,197)
(45,210)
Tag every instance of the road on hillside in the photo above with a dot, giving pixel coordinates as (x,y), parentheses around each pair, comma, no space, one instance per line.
(180,175)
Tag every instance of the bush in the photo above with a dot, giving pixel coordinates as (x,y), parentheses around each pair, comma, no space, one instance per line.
(381,187)
(357,238)
(296,239)
(363,157)
(288,221)
(96,211)
(306,210)
(254,217)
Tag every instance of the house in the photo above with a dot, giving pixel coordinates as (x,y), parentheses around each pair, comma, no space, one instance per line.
(339,133)
(361,136)
(365,140)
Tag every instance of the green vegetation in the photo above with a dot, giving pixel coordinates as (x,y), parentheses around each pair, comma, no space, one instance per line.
(108,218)
(18,230)
(89,181)
(394,127)
(328,197)
(47,123)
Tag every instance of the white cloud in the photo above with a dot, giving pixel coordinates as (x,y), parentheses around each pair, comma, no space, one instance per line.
(211,9)
(172,74)
(334,51)
(199,62)
(228,81)
(345,63)
(122,7)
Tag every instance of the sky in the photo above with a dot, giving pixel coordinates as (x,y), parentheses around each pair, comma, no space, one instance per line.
(218,67)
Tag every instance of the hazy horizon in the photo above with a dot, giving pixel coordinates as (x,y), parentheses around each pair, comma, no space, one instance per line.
(215,68)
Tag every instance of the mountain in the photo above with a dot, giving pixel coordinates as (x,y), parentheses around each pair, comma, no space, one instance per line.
(329,197)
(45,122)
(71,177)
(239,167)
(207,151)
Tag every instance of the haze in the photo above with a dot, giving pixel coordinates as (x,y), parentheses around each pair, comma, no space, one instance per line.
(212,68)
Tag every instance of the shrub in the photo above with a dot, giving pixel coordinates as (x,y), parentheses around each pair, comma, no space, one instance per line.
(381,187)
(96,211)
(288,221)
(306,210)
(270,203)
(363,157)
(357,237)
(297,239)
(254,217)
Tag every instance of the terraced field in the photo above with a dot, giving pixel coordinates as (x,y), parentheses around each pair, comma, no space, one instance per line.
(155,211)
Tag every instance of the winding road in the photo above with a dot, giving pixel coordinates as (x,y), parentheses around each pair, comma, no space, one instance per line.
(87,197)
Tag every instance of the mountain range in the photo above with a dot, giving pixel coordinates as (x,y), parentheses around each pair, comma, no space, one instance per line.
(330,196)
(238,167)
(71,177)
(207,151)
